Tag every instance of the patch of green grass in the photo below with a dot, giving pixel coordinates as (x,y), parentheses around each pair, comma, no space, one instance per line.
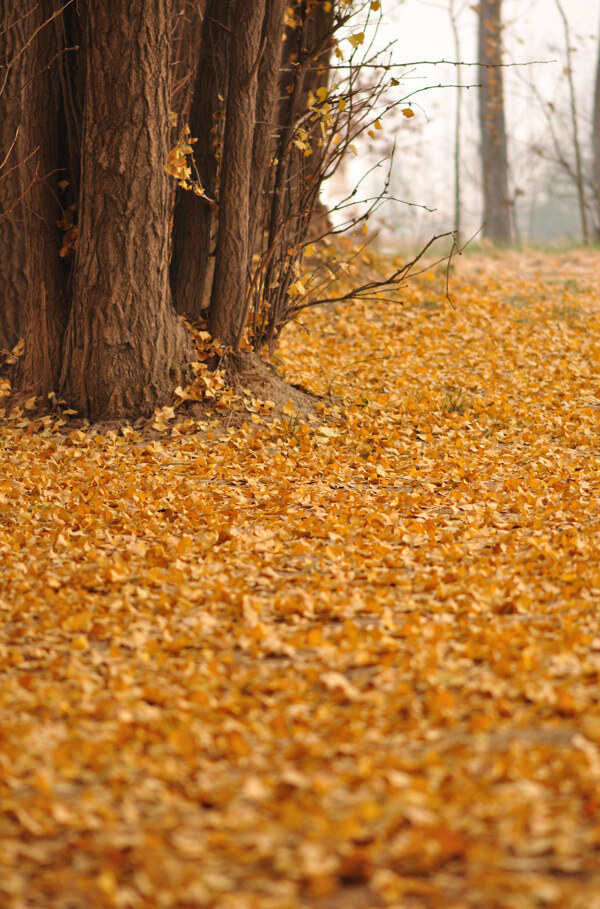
(290,423)
(518,301)
(566,312)
(555,248)
(570,285)
(454,401)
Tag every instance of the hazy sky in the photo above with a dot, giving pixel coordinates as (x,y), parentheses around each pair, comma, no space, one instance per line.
(423,25)
(533,32)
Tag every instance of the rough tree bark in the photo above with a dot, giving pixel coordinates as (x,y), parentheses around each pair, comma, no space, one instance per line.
(494,156)
(266,110)
(306,60)
(13,183)
(193,217)
(232,256)
(318,37)
(187,34)
(46,306)
(124,346)
(71,64)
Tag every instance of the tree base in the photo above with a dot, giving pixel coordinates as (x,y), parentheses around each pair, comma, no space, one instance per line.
(246,370)
(246,375)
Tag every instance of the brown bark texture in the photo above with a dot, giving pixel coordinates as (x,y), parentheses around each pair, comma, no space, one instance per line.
(193,216)
(306,58)
(46,307)
(125,348)
(13,183)
(71,63)
(187,36)
(294,191)
(494,155)
(230,283)
(267,102)
(319,36)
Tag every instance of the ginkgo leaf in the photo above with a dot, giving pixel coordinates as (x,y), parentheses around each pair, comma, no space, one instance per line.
(177,157)
(357,39)
(297,289)
(173,170)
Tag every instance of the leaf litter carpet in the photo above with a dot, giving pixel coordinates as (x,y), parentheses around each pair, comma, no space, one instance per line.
(345,663)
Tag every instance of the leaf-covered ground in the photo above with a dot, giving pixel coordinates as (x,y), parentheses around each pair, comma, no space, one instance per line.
(343,665)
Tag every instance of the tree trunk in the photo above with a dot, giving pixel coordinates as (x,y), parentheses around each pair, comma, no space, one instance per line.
(306,68)
(46,307)
(13,183)
(186,31)
(70,30)
(228,298)
(266,111)
(187,36)
(457,124)
(579,175)
(496,201)
(193,218)
(596,149)
(124,348)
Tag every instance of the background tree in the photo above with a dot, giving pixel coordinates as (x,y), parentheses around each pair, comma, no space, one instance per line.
(579,174)
(595,175)
(453,12)
(494,154)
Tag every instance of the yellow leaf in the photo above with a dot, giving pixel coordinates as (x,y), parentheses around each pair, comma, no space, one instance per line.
(172,170)
(357,40)
(590,726)
(297,289)
(176,158)
(80,621)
